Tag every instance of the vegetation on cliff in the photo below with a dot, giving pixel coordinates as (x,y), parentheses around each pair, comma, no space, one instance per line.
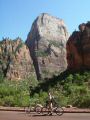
(15,61)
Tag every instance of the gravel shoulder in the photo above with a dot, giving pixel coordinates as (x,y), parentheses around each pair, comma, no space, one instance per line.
(66,110)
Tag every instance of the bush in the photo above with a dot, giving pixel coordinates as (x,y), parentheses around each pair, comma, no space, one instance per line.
(43,97)
(9,101)
(1,102)
(1,77)
(73,89)
(25,101)
(82,101)
(69,79)
(14,93)
(41,53)
(78,79)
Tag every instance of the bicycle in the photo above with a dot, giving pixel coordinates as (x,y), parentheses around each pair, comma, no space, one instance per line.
(37,108)
(47,111)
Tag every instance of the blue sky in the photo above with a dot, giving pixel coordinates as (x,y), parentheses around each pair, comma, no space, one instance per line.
(17,16)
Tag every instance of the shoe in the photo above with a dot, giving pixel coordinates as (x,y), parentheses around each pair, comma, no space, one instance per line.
(50,113)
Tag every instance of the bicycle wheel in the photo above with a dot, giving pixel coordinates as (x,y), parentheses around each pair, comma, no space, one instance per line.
(59,111)
(38,109)
(27,110)
(45,111)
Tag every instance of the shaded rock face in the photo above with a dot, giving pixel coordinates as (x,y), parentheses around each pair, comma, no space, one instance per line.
(15,61)
(47,44)
(78,48)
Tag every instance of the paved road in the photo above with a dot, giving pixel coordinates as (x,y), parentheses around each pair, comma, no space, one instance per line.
(11,115)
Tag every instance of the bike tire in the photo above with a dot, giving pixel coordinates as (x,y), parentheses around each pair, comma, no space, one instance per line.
(38,109)
(45,111)
(27,110)
(59,111)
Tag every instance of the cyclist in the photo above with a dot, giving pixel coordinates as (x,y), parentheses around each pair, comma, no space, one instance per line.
(49,103)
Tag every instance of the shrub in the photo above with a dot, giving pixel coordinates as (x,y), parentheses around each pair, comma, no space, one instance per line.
(41,53)
(66,90)
(1,102)
(1,77)
(82,101)
(25,101)
(78,79)
(9,101)
(69,79)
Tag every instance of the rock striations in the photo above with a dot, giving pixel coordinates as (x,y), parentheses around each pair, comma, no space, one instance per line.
(47,44)
(15,61)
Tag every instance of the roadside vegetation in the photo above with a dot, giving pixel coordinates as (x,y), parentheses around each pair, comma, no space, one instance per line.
(71,89)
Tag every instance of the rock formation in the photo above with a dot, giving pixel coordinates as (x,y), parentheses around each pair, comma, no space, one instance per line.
(47,44)
(15,61)
(78,48)
(50,51)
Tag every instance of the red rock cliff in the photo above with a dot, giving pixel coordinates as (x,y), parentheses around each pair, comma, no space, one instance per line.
(78,48)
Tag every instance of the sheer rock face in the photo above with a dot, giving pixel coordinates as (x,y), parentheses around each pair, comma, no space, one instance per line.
(78,48)
(47,44)
(15,61)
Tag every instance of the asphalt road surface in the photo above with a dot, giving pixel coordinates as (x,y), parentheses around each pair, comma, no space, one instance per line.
(11,115)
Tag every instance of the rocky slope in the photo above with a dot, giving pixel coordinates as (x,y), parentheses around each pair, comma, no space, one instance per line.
(15,61)
(47,44)
(78,48)
(50,51)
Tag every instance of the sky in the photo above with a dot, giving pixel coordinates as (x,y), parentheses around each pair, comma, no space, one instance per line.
(17,16)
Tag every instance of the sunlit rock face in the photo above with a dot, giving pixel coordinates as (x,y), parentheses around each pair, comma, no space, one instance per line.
(47,44)
(15,61)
